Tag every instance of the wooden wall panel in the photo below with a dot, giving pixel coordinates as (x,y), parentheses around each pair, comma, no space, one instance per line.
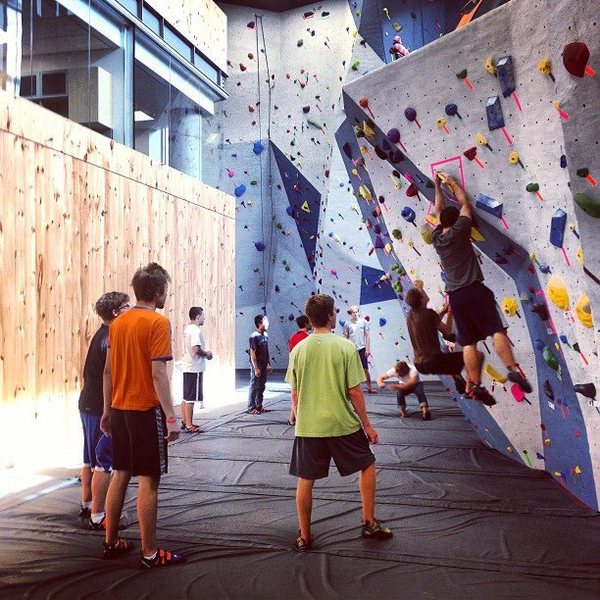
(73,227)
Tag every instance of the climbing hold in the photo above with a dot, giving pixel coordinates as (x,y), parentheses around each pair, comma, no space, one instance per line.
(441,123)
(489,205)
(300,43)
(408,214)
(411,115)
(395,156)
(541,310)
(315,124)
(239,190)
(514,159)
(506,75)
(305,206)
(563,161)
(482,141)
(493,110)
(258,147)
(583,311)
(545,66)
(583,172)
(490,66)
(463,75)
(575,58)
(452,110)
(586,389)
(426,233)
(510,307)
(396,234)
(547,387)
(364,103)
(355,64)
(589,205)
(259,246)
(557,292)
(550,358)
(365,193)
(471,154)
(306,109)
(382,322)
(412,190)
(534,188)
(558,224)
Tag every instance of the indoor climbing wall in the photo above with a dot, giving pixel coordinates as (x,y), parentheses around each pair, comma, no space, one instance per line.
(506,107)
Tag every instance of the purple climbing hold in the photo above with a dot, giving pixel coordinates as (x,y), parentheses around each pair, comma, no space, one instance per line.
(393,135)
(259,246)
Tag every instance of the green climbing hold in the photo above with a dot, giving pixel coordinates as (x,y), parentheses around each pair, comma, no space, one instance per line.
(550,358)
(355,64)
(426,233)
(462,74)
(396,234)
(591,206)
(532,187)
(315,124)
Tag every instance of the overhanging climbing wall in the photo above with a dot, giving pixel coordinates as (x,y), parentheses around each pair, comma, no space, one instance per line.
(524,142)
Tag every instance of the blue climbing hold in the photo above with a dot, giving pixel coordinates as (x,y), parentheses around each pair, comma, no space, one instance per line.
(258,147)
(240,190)
(259,246)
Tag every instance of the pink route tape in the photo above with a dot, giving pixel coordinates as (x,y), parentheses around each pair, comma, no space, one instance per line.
(517,101)
(508,138)
(446,161)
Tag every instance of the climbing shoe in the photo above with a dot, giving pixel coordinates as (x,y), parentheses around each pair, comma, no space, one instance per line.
(162,558)
(374,531)
(117,549)
(520,380)
(478,392)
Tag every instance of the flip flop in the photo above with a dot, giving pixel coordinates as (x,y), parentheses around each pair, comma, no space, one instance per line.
(193,429)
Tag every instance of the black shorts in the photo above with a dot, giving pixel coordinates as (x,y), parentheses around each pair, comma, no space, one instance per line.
(444,363)
(192,387)
(475,313)
(363,358)
(311,456)
(139,444)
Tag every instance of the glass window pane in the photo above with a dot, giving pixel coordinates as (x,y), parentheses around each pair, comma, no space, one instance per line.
(151,19)
(130,5)
(54,83)
(177,42)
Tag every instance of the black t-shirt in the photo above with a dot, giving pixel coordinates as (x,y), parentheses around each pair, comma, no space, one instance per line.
(259,342)
(91,399)
(422,327)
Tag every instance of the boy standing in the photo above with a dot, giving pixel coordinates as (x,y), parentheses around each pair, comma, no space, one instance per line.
(193,362)
(302,333)
(260,365)
(357,331)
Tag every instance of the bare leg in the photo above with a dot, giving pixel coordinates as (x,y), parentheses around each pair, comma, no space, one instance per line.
(304,506)
(370,387)
(367,484)
(503,349)
(473,360)
(86,484)
(100,482)
(147,509)
(188,413)
(114,504)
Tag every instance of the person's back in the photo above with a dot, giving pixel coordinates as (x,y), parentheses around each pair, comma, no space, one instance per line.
(139,337)
(91,399)
(422,326)
(459,261)
(320,366)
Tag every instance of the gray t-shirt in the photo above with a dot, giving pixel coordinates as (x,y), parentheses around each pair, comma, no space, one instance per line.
(459,261)
(357,332)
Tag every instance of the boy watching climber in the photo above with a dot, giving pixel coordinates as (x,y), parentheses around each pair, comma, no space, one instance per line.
(260,365)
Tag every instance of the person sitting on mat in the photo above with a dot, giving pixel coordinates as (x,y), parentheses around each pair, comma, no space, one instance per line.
(409,383)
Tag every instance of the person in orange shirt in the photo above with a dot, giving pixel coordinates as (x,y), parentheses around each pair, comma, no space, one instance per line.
(302,333)
(138,413)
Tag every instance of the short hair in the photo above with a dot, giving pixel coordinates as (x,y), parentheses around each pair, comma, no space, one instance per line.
(109,302)
(414,298)
(258,319)
(352,309)
(402,368)
(449,216)
(150,281)
(195,311)
(318,309)
(302,322)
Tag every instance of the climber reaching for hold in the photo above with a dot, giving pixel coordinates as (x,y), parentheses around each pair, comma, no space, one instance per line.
(473,304)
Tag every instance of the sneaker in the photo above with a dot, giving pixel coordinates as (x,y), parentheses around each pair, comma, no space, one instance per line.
(520,380)
(302,545)
(85,513)
(102,525)
(201,404)
(162,559)
(375,531)
(182,426)
(478,392)
(117,549)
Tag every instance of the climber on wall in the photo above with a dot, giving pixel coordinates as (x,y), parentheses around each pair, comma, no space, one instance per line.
(473,304)
(397,49)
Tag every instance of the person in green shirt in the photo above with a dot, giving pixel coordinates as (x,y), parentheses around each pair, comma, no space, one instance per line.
(325,374)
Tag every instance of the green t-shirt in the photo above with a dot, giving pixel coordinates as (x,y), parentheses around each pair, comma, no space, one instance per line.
(322,368)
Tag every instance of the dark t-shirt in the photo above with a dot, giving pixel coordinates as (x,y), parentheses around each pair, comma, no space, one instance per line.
(259,342)
(91,399)
(422,328)
(459,261)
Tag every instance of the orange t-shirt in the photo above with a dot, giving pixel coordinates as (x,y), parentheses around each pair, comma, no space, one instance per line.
(136,338)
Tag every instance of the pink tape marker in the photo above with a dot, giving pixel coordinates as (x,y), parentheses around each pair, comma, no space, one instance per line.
(508,138)
(517,101)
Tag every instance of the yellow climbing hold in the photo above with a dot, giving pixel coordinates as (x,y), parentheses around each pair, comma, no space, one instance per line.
(426,233)
(305,206)
(557,292)
(494,375)
(579,255)
(476,235)
(509,306)
(388,248)
(584,311)
(365,193)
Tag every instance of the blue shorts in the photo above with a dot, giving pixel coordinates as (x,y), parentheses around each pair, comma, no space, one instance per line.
(104,454)
(91,437)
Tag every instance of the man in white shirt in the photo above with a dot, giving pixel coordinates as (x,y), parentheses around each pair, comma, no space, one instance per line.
(409,382)
(193,362)
(357,331)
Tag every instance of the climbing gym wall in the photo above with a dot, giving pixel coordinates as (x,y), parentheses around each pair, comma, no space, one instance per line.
(508,106)
(79,215)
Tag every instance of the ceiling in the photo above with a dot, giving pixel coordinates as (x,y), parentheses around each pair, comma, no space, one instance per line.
(272,5)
